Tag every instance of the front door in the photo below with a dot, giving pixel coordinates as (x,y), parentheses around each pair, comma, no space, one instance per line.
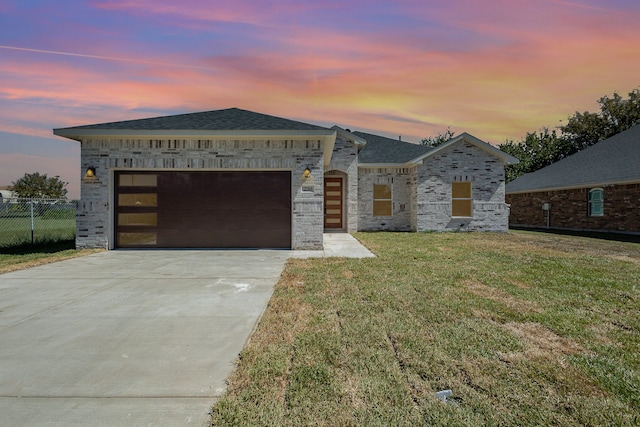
(332,202)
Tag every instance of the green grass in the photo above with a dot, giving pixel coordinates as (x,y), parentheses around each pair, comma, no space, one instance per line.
(16,231)
(25,256)
(526,329)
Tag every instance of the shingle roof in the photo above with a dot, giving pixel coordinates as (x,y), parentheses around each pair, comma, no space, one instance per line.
(381,150)
(234,119)
(616,159)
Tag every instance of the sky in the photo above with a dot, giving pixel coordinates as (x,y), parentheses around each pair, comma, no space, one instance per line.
(496,69)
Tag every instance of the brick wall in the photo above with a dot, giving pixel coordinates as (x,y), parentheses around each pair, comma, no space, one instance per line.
(402,182)
(95,216)
(422,194)
(345,160)
(461,162)
(569,209)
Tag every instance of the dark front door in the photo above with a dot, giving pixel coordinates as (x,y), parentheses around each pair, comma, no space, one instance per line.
(332,202)
(203,209)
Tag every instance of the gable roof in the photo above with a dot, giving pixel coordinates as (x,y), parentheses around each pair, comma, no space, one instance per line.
(382,150)
(507,159)
(614,160)
(351,137)
(230,121)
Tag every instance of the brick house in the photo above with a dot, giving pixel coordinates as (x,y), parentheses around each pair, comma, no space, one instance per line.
(235,178)
(596,189)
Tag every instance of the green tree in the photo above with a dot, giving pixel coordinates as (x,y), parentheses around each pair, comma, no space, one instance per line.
(540,149)
(37,186)
(440,139)
(535,151)
(616,114)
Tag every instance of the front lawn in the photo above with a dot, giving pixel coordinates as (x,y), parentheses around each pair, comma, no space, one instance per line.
(525,329)
(26,256)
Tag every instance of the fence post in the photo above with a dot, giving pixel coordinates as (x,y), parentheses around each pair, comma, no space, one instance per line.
(32,239)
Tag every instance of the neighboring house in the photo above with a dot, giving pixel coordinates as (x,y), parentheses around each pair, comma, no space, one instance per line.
(596,189)
(235,178)
(6,195)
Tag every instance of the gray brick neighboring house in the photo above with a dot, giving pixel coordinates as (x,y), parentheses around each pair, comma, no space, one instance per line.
(235,178)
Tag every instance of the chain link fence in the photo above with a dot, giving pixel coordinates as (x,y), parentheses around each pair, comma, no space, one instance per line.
(36,221)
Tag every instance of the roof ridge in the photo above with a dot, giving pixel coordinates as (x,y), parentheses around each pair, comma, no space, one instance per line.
(233,118)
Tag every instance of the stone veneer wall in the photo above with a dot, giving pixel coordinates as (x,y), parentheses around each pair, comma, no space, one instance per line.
(569,209)
(345,159)
(402,181)
(95,217)
(461,162)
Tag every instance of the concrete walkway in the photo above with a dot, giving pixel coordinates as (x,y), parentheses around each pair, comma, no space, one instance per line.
(132,337)
(337,245)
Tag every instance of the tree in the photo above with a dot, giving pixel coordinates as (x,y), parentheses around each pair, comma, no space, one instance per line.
(540,149)
(616,114)
(440,139)
(537,150)
(37,186)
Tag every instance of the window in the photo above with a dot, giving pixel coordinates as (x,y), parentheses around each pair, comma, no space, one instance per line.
(461,202)
(382,200)
(141,239)
(138,219)
(138,199)
(596,202)
(138,180)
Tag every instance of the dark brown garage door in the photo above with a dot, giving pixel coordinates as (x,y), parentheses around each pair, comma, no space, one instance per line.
(203,209)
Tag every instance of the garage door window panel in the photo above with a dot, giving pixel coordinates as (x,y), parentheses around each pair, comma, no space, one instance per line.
(136,209)
(149,219)
(137,239)
(138,180)
(138,200)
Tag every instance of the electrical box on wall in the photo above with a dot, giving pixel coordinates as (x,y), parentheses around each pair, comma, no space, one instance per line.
(546,206)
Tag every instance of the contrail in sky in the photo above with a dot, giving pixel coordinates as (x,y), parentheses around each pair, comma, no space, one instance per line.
(104,58)
(576,4)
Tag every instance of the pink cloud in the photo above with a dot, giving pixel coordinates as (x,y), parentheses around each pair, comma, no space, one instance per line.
(530,66)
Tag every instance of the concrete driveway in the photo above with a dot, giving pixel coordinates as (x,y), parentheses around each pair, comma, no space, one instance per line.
(128,337)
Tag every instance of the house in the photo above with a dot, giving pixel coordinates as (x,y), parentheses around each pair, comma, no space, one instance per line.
(596,189)
(6,194)
(236,178)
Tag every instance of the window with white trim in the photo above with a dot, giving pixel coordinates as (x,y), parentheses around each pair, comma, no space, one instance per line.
(596,202)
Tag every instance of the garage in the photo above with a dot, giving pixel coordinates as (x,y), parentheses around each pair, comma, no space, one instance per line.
(204,209)
(227,178)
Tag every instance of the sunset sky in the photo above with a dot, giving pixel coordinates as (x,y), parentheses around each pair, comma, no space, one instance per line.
(494,68)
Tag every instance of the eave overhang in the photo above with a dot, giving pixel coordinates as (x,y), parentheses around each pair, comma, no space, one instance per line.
(594,184)
(387,165)
(79,134)
(328,136)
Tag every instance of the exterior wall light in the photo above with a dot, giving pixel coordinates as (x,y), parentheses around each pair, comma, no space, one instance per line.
(307,172)
(91,172)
